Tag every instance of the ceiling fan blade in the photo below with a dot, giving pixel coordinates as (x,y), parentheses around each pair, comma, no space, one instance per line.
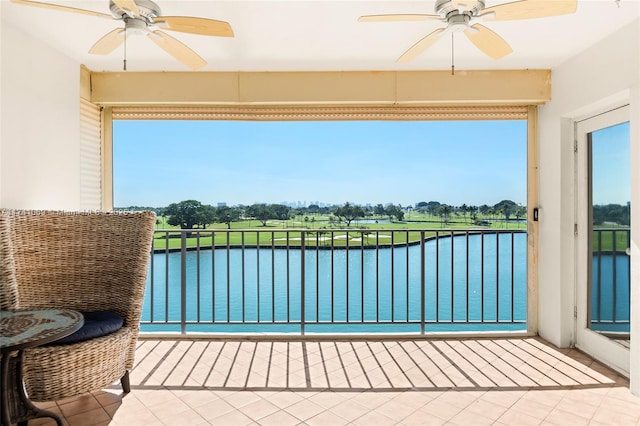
(421,46)
(396,18)
(177,49)
(108,43)
(489,42)
(128,5)
(530,9)
(62,8)
(193,25)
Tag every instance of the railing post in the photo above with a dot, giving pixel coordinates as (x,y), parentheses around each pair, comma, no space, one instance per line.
(151,279)
(302,282)
(422,282)
(614,278)
(183,282)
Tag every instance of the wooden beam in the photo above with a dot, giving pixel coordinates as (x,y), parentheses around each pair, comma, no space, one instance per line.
(499,87)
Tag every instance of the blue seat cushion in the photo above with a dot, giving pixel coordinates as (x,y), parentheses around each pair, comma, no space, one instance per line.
(96,324)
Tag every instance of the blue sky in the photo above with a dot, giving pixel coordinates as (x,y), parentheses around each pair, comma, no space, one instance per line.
(364,162)
(611,165)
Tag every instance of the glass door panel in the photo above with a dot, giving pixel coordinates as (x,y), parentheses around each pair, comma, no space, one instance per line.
(610,192)
(603,212)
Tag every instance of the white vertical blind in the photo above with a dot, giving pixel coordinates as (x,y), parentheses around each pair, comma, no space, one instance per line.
(90,157)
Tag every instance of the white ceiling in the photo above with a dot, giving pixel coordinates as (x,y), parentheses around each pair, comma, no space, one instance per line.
(309,35)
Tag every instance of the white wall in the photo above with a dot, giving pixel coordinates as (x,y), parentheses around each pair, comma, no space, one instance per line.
(607,74)
(39,124)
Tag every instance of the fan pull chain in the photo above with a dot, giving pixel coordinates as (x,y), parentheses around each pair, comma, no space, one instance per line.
(452,66)
(124,61)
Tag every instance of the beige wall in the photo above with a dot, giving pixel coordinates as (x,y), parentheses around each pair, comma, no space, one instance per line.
(39,130)
(603,76)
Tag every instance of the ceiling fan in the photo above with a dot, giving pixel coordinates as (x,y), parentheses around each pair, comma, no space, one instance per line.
(144,17)
(460,15)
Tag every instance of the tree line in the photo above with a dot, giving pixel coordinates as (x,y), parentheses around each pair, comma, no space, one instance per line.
(612,214)
(192,214)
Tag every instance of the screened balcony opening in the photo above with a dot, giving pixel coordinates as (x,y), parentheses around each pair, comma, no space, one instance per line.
(324,227)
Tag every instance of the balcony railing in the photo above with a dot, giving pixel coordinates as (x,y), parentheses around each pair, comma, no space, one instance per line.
(336,281)
(611,280)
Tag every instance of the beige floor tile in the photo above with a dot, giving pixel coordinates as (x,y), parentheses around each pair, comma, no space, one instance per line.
(46,404)
(374,418)
(112,409)
(373,400)
(106,397)
(468,418)
(396,409)
(503,398)
(550,398)
(80,405)
(232,418)
(45,421)
(279,418)
(242,398)
(421,382)
(421,418)
(214,409)
(284,399)
(184,418)
(614,415)
(304,409)
(460,399)
(169,408)
(326,418)
(140,416)
(582,409)
(485,409)
(622,393)
(195,398)
(415,399)
(349,410)
(514,416)
(328,399)
(259,409)
(154,396)
(562,417)
(441,409)
(532,408)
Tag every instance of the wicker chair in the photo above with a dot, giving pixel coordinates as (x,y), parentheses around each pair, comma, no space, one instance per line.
(86,261)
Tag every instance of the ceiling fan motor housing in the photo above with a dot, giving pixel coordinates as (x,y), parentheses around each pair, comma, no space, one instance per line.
(148,11)
(135,26)
(448,9)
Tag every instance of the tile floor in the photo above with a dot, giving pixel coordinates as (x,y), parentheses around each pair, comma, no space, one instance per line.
(507,381)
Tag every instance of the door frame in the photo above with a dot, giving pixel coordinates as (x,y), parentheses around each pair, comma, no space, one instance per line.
(595,344)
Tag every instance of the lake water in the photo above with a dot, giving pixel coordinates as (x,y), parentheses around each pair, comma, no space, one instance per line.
(356,290)
(611,295)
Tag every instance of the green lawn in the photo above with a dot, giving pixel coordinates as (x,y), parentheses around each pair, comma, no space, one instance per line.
(317,232)
(606,240)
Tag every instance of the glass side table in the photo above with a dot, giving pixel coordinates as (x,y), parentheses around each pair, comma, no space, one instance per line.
(20,330)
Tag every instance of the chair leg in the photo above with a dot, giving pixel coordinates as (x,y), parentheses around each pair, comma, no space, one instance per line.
(126,384)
